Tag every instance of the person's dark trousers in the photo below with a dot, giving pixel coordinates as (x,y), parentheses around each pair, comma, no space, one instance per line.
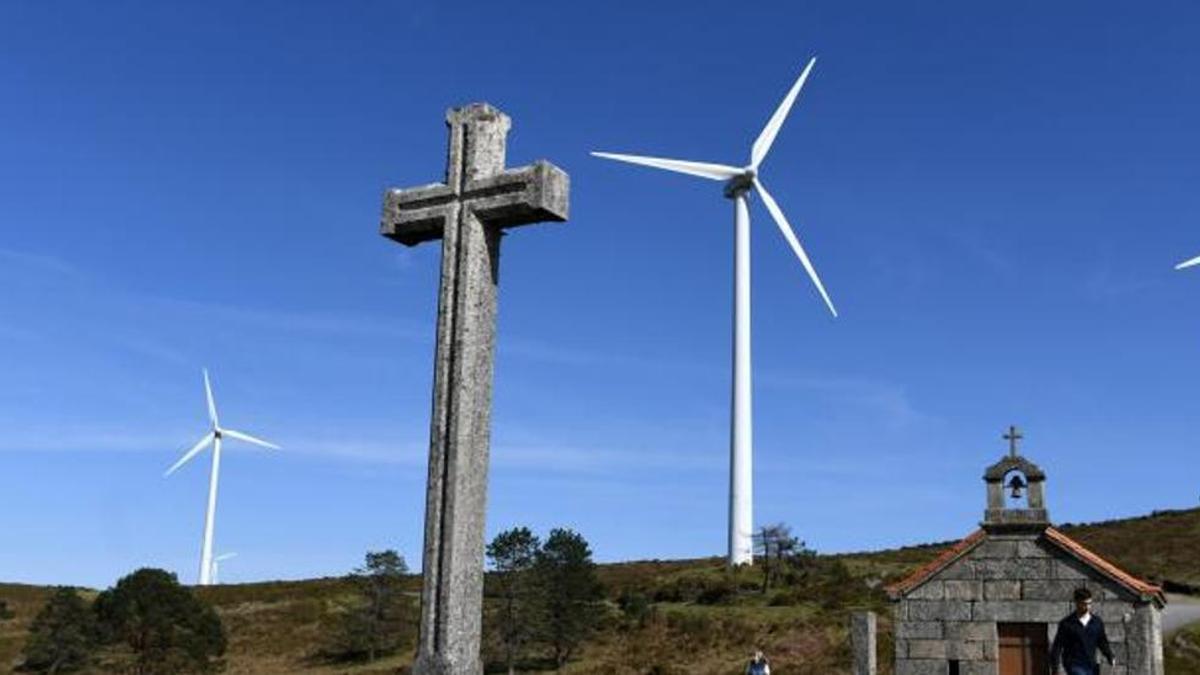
(1083,669)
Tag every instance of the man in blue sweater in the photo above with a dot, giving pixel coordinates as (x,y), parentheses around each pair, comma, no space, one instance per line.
(1079,635)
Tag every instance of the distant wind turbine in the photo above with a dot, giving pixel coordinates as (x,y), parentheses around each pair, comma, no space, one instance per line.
(1188,263)
(216,565)
(213,438)
(738,182)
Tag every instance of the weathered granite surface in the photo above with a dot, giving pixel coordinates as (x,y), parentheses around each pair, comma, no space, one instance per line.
(468,212)
(1015,578)
(863,640)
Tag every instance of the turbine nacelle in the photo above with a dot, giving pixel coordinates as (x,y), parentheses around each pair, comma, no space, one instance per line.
(216,434)
(740,184)
(739,180)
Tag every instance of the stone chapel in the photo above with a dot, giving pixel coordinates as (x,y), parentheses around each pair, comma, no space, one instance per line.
(992,602)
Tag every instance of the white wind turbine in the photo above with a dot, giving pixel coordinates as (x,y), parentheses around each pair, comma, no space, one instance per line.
(1188,263)
(213,438)
(216,565)
(738,182)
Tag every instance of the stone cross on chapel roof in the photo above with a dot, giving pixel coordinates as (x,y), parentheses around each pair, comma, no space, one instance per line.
(1013,437)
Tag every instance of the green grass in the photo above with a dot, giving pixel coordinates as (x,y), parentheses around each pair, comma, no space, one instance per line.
(1183,652)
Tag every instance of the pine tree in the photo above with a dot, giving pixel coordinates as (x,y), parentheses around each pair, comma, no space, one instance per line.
(378,620)
(775,545)
(513,555)
(568,593)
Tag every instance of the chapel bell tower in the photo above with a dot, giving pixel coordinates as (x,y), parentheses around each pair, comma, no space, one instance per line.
(1023,507)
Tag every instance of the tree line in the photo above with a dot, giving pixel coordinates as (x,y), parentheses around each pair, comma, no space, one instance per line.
(543,602)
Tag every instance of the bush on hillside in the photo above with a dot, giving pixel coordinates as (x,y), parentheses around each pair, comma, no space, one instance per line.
(701,586)
(169,630)
(63,635)
(635,608)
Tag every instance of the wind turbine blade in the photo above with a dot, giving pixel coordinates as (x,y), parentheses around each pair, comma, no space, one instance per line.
(790,235)
(763,145)
(248,438)
(701,169)
(212,407)
(1188,263)
(204,442)
(227,556)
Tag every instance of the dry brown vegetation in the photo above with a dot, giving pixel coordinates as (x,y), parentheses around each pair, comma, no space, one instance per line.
(671,617)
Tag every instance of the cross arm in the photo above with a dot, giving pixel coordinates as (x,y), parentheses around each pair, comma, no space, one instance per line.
(415,215)
(531,194)
(522,196)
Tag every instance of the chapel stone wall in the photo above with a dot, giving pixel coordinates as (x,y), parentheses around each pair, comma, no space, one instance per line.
(1015,578)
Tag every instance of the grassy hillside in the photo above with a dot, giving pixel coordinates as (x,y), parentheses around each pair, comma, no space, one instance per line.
(673,617)
(1163,547)
(24,602)
(1183,651)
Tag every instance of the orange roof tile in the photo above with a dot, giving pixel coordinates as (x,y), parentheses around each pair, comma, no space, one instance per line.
(1110,570)
(934,566)
(1070,546)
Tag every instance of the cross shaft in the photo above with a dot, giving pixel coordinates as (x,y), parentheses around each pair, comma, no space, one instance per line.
(468,213)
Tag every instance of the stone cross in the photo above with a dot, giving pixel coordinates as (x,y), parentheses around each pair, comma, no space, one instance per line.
(1013,436)
(468,212)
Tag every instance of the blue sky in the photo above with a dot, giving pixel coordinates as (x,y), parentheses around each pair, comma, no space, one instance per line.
(994,195)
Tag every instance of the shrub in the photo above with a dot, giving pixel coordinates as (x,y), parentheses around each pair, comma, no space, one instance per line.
(169,630)
(63,635)
(635,607)
(717,591)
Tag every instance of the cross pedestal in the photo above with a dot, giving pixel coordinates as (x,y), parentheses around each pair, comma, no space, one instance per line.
(468,212)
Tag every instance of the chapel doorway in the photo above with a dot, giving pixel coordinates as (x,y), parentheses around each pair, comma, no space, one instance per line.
(1024,649)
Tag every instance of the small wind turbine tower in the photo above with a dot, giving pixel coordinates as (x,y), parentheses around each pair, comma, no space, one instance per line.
(738,183)
(213,438)
(216,565)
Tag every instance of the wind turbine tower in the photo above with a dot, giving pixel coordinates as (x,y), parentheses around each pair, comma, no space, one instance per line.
(216,565)
(739,181)
(213,437)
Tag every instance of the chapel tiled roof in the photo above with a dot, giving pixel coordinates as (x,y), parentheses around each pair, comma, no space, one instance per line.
(936,565)
(1106,568)
(1073,548)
